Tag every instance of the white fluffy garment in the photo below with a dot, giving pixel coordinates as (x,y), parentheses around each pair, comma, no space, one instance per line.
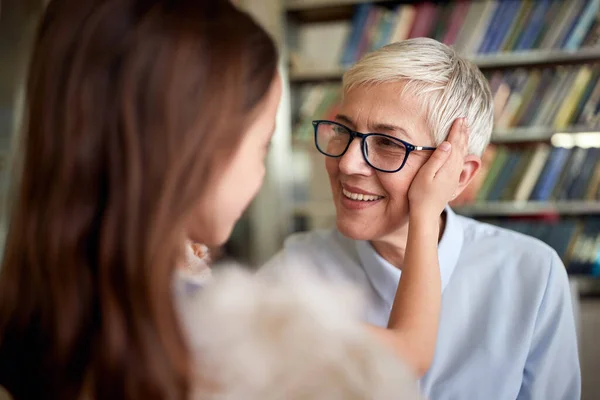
(292,337)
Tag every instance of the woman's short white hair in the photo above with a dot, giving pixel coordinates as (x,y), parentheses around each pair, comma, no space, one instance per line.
(449,85)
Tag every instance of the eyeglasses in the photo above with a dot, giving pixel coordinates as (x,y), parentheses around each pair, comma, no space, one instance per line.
(383,152)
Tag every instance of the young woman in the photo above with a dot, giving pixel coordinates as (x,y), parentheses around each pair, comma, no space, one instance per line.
(147,123)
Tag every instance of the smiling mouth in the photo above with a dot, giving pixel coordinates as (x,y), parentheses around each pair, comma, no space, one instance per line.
(359,196)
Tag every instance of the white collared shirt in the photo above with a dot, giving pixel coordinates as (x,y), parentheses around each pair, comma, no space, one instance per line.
(506,329)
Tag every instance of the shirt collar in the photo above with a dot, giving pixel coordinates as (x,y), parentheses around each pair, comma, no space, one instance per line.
(385,277)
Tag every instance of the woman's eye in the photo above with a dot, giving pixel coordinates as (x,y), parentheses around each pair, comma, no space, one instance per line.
(388,143)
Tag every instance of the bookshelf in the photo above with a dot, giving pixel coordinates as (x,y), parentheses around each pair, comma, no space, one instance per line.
(541,134)
(546,82)
(530,208)
(532,58)
(500,209)
(303,5)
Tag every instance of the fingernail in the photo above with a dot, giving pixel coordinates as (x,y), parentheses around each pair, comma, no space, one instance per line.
(445,146)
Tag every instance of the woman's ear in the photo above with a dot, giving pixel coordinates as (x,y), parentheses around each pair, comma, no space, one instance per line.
(470,168)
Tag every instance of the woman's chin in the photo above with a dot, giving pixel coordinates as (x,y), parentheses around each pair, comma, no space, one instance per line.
(217,238)
(353,229)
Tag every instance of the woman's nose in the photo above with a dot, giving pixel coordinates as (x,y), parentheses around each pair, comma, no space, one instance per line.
(353,162)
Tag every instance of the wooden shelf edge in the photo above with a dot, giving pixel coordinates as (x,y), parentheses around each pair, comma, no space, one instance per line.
(303,5)
(510,208)
(529,58)
(535,134)
(317,76)
(588,286)
(536,57)
(495,209)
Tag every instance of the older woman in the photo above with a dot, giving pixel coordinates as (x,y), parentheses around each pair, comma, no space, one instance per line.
(507,329)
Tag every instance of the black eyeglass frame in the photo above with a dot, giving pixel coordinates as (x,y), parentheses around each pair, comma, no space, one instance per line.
(363,136)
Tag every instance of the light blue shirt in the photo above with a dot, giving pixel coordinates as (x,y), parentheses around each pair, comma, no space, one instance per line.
(507,329)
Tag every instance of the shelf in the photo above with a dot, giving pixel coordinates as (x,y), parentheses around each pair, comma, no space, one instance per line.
(587,286)
(317,76)
(303,5)
(531,58)
(540,134)
(307,11)
(325,208)
(509,208)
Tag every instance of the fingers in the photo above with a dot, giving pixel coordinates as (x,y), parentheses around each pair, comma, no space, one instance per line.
(459,136)
(449,156)
(439,157)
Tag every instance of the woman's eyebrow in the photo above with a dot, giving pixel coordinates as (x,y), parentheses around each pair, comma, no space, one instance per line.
(345,119)
(387,127)
(380,127)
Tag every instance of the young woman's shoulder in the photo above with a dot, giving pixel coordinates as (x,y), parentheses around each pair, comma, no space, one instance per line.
(288,336)
(4,394)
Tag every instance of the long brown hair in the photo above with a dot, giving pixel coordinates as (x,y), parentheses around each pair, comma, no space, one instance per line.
(132,106)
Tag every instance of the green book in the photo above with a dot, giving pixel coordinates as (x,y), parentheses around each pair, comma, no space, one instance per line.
(495,168)
(508,193)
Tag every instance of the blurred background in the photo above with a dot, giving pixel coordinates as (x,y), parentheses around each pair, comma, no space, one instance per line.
(541,174)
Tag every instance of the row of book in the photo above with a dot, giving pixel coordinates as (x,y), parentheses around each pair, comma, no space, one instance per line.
(538,172)
(557,97)
(477,27)
(577,241)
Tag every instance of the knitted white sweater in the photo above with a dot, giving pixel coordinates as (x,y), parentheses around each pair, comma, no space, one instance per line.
(292,337)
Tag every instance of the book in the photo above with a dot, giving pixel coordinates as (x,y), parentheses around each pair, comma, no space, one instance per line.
(471,26)
(575,241)
(532,172)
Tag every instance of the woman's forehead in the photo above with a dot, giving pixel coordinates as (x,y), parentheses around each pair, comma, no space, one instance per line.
(385,108)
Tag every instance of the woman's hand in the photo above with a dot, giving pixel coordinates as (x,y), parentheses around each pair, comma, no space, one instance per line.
(414,318)
(437,181)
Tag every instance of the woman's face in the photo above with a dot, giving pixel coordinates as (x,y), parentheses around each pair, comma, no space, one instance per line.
(226,200)
(376,109)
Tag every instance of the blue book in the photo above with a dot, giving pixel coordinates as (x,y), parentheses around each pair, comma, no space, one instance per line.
(578,7)
(505,25)
(574,39)
(595,264)
(550,174)
(535,24)
(560,236)
(586,255)
(579,185)
(573,171)
(358,24)
(504,176)
(493,26)
(385,27)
